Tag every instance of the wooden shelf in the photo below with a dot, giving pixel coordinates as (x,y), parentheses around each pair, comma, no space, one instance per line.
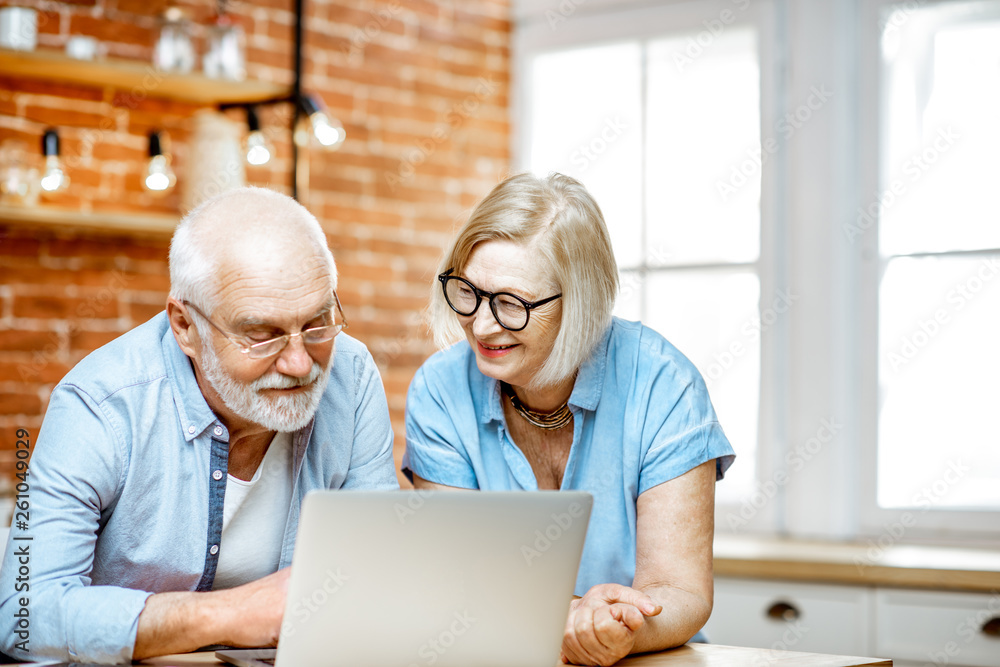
(134,75)
(43,216)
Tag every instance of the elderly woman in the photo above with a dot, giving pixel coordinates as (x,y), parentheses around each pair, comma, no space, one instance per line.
(552,392)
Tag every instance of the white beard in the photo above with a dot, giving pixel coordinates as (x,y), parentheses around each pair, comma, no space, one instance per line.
(278,413)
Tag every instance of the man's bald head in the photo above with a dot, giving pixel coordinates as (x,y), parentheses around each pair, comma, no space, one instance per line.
(252,231)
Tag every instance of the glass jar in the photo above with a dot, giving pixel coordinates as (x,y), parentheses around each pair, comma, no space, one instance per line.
(224,56)
(174,50)
(19,181)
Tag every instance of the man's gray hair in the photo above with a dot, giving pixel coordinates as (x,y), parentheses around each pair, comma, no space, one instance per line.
(250,211)
(559,217)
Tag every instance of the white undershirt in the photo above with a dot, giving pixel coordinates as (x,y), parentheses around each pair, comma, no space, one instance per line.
(254,517)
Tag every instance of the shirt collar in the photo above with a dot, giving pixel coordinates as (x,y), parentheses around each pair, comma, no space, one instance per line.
(192,410)
(493,410)
(590,378)
(586,390)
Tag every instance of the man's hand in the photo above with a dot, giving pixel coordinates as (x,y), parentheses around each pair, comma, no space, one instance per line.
(602,625)
(256,610)
(248,615)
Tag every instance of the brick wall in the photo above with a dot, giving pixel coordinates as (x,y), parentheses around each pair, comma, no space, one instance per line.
(422,89)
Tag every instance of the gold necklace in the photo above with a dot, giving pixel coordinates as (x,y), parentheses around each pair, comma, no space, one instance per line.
(549,421)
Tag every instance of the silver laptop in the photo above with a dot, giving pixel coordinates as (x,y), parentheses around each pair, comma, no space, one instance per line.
(430,578)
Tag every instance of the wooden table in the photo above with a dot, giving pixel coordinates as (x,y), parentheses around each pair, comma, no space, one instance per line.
(701,655)
(689,655)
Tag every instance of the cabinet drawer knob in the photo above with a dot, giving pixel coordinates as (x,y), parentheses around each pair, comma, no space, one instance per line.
(783,611)
(992,627)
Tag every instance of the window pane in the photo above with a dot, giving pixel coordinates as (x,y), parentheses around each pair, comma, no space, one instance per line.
(712,317)
(702,122)
(629,304)
(585,121)
(939,375)
(703,176)
(940,172)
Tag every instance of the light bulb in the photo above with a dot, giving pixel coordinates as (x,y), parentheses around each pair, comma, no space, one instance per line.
(328,132)
(159,176)
(54,179)
(258,149)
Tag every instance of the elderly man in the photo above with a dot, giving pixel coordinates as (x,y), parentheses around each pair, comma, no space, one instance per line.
(168,475)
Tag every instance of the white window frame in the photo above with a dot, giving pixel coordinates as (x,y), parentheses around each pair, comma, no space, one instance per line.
(818,363)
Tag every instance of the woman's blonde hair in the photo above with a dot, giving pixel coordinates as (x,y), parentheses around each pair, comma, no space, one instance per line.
(557,216)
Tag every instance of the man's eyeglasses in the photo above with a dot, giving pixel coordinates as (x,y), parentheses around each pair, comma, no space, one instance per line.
(510,310)
(271,347)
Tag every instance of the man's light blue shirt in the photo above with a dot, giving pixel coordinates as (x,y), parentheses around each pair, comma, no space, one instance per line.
(127,483)
(641,416)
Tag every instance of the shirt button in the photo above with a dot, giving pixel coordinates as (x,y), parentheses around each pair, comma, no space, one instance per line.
(214,550)
(218,430)
(217,475)
(191,429)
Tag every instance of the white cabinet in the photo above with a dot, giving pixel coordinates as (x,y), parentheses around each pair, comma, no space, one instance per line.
(938,628)
(912,627)
(818,618)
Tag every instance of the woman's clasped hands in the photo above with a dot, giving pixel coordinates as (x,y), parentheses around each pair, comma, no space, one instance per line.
(603,625)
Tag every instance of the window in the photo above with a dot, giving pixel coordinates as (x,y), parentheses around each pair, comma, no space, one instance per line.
(802,199)
(664,130)
(939,259)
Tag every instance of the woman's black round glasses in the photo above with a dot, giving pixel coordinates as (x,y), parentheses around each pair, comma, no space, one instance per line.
(510,310)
